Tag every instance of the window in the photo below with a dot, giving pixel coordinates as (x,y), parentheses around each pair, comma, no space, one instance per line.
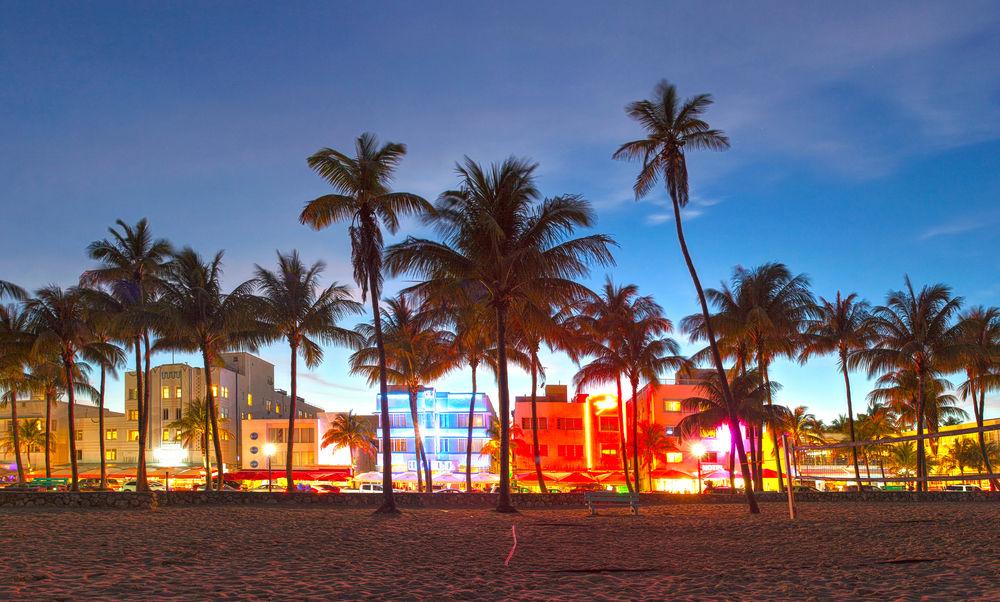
(79,455)
(543,450)
(249,399)
(674,457)
(111,434)
(453,445)
(707,433)
(275,435)
(398,420)
(609,450)
(305,435)
(463,420)
(131,393)
(133,435)
(166,434)
(268,403)
(79,435)
(609,423)
(669,430)
(543,423)
(166,413)
(710,457)
(215,390)
(133,414)
(177,435)
(569,424)
(165,394)
(111,454)
(671,406)
(177,392)
(399,445)
(179,414)
(571,451)
(224,412)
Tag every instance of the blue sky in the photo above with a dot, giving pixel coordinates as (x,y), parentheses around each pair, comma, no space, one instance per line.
(865,139)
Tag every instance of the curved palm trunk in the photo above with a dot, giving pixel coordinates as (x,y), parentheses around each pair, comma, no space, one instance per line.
(621,437)
(716,357)
(850,418)
(417,442)
(147,396)
(388,499)
(17,438)
(290,444)
(48,435)
(74,471)
(209,401)
(534,423)
(635,433)
(774,432)
(468,444)
(100,429)
(503,504)
(214,422)
(140,471)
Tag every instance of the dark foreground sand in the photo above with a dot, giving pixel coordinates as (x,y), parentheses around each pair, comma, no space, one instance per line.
(708,552)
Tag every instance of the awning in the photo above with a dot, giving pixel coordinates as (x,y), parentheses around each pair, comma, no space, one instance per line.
(299,475)
(577,477)
(671,473)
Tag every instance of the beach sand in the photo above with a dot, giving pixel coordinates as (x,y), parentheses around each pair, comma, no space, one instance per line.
(884,552)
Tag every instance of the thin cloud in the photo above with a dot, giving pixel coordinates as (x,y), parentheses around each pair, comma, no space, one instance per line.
(956,227)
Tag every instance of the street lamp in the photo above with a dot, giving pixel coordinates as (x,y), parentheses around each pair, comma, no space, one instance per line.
(699,450)
(268,451)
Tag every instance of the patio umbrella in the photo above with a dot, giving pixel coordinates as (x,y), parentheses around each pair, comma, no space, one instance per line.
(447,477)
(671,473)
(369,477)
(405,477)
(718,474)
(485,477)
(613,477)
(767,473)
(577,477)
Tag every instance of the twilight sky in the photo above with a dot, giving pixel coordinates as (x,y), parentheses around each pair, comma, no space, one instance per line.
(865,139)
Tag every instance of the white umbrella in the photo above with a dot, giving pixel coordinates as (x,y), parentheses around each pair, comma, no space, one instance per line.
(485,477)
(369,477)
(404,477)
(447,477)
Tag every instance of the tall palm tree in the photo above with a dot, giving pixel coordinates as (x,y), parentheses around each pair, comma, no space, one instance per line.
(60,319)
(898,391)
(294,308)
(16,341)
(415,352)
(671,128)
(979,331)
(916,331)
(803,428)
(654,444)
(363,196)
(192,429)
(503,248)
(347,430)
(199,318)
(104,312)
(844,327)
(131,263)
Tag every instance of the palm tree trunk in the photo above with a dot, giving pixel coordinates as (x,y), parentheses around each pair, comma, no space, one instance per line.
(921,465)
(140,471)
(48,435)
(751,438)
(74,470)
(147,386)
(774,432)
(850,417)
(732,457)
(290,444)
(209,402)
(388,499)
(978,411)
(503,504)
(100,429)
(213,416)
(534,422)
(468,444)
(759,466)
(716,358)
(621,436)
(417,443)
(635,432)
(17,438)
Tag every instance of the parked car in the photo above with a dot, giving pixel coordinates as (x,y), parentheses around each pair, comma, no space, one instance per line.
(369,488)
(513,489)
(962,488)
(325,488)
(585,488)
(448,491)
(725,489)
(153,486)
(226,486)
(863,488)
(92,484)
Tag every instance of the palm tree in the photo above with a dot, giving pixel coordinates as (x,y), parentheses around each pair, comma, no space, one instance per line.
(516,445)
(415,353)
(844,327)
(363,196)
(294,308)
(347,430)
(671,127)
(26,436)
(879,423)
(979,331)
(502,248)
(12,290)
(132,261)
(16,341)
(653,444)
(803,428)
(199,318)
(191,429)
(104,310)
(60,319)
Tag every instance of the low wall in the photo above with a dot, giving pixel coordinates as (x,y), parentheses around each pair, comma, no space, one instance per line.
(98,499)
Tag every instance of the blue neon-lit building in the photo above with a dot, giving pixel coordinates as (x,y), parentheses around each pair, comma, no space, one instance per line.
(443,419)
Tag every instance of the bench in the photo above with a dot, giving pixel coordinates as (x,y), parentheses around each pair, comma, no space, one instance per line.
(57,484)
(610,499)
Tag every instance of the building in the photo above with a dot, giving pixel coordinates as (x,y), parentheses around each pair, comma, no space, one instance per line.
(443,420)
(308,452)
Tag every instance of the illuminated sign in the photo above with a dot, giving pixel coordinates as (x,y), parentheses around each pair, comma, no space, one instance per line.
(435,465)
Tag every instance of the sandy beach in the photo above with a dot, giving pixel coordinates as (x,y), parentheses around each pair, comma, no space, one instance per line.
(884,552)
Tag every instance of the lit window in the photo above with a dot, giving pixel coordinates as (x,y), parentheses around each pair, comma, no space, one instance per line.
(111,454)
(215,390)
(166,434)
(609,450)
(249,399)
(399,445)
(112,434)
(177,435)
(224,412)
(269,407)
(133,414)
(79,435)
(177,392)
(675,457)
(708,433)
(165,394)
(669,430)
(133,435)
(671,406)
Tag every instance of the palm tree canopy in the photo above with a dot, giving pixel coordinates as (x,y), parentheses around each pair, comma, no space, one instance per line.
(671,128)
(347,430)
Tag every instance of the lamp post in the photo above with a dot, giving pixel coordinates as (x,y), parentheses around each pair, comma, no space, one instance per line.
(699,450)
(268,451)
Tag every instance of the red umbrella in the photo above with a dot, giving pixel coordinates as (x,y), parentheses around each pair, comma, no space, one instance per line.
(578,477)
(670,473)
(767,473)
(616,477)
